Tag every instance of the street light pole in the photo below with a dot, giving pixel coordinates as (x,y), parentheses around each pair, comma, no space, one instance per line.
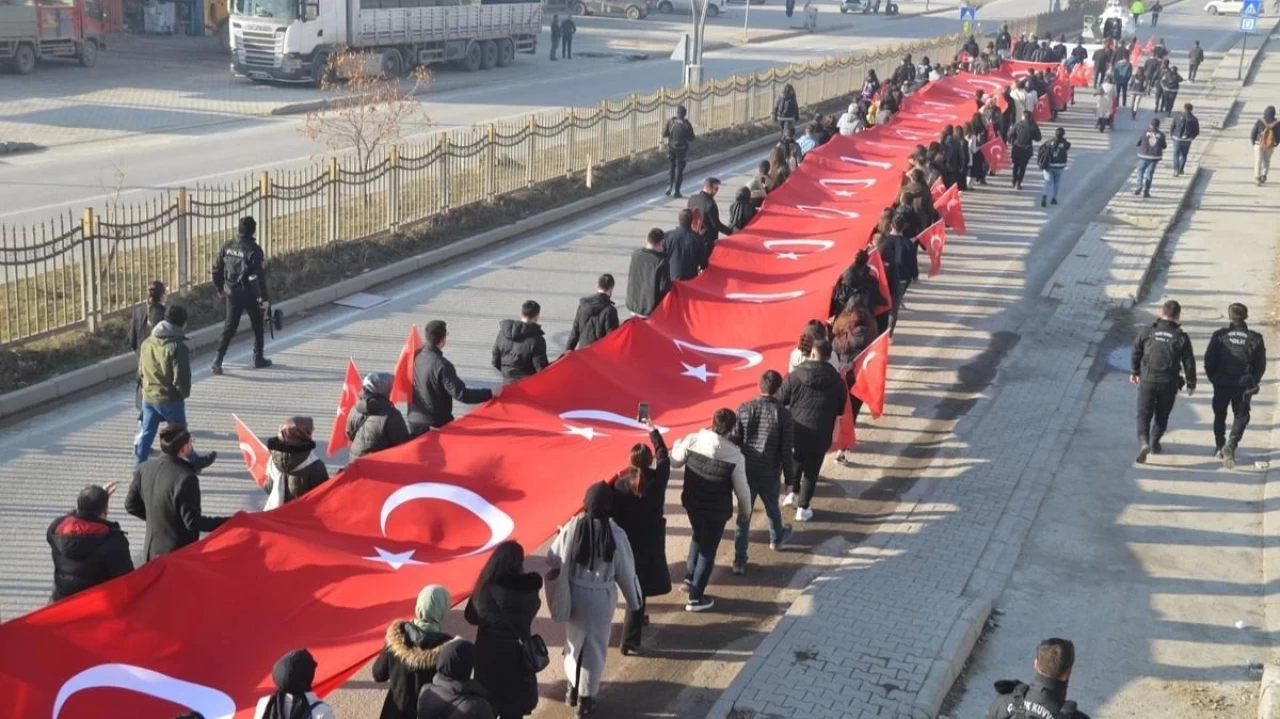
(746,20)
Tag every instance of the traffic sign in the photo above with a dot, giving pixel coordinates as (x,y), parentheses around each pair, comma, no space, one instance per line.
(1248,24)
(968,13)
(1251,8)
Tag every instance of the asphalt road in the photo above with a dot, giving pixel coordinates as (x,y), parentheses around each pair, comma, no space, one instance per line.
(943,344)
(66,179)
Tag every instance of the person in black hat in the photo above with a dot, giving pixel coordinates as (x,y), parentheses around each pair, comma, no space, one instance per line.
(239,277)
(436,384)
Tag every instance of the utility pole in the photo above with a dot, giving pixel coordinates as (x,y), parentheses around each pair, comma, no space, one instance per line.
(693,70)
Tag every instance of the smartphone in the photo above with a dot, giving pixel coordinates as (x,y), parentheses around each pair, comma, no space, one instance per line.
(642,413)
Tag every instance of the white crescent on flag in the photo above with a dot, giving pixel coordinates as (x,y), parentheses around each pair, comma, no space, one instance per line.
(867,163)
(751,358)
(209,702)
(828,213)
(774,297)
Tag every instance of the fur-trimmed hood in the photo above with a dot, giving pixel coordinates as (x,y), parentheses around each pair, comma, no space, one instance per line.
(416,648)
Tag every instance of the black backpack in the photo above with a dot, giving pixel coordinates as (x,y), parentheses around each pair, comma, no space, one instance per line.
(1044,156)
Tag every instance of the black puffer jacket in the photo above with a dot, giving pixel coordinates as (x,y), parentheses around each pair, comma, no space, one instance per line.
(297,462)
(501,611)
(87,551)
(408,662)
(374,424)
(449,698)
(520,350)
(816,395)
(596,317)
(1042,697)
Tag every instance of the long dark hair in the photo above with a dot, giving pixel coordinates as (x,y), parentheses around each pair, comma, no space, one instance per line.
(641,458)
(506,563)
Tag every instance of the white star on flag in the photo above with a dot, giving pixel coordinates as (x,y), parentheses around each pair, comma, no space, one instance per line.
(788,256)
(699,372)
(395,561)
(588,433)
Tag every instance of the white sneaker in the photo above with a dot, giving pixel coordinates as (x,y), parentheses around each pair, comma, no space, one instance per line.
(803,514)
(789,500)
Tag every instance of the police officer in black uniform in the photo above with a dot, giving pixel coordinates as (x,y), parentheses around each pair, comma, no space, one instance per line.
(1161,356)
(1234,362)
(677,134)
(1046,695)
(241,281)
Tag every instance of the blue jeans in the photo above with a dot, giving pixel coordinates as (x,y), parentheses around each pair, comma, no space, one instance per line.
(767,491)
(1052,181)
(1146,173)
(1180,150)
(152,415)
(702,553)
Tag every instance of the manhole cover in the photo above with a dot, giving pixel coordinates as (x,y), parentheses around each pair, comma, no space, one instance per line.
(1121,359)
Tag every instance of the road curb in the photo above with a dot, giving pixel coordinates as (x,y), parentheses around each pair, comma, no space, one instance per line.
(951,659)
(76,381)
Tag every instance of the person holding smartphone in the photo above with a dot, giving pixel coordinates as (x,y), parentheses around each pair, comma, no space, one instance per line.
(640,496)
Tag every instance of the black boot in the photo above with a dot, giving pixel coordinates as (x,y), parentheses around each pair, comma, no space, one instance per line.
(571,696)
(216,367)
(1143,451)
(261,362)
(586,705)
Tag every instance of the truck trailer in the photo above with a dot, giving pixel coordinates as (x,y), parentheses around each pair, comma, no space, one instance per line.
(39,29)
(292,40)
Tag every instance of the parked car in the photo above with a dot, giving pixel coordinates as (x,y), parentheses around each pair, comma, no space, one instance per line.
(631,9)
(684,7)
(859,6)
(1224,7)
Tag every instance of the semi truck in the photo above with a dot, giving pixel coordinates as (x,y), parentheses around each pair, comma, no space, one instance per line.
(292,40)
(40,29)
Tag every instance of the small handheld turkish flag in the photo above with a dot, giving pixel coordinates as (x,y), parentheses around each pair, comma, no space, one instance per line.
(402,389)
(934,239)
(1081,76)
(254,452)
(937,188)
(1136,55)
(873,374)
(949,207)
(996,153)
(1060,90)
(876,264)
(346,400)
(1042,112)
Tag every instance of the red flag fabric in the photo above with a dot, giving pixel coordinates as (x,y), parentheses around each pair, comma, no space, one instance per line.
(873,375)
(876,263)
(934,239)
(402,388)
(346,400)
(1060,90)
(846,433)
(1135,56)
(1082,75)
(330,570)
(254,452)
(991,132)
(952,213)
(1042,112)
(1151,44)
(996,153)
(937,188)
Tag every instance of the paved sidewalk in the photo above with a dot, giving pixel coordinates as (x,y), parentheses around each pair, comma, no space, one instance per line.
(884,636)
(1149,567)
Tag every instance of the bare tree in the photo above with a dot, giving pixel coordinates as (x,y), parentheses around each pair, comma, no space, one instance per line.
(368,110)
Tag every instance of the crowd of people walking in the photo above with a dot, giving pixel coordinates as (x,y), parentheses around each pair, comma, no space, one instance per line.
(770,449)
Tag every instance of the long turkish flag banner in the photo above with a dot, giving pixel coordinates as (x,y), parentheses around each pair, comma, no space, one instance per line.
(199,629)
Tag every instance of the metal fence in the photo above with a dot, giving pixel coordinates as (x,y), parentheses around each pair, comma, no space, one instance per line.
(71,272)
